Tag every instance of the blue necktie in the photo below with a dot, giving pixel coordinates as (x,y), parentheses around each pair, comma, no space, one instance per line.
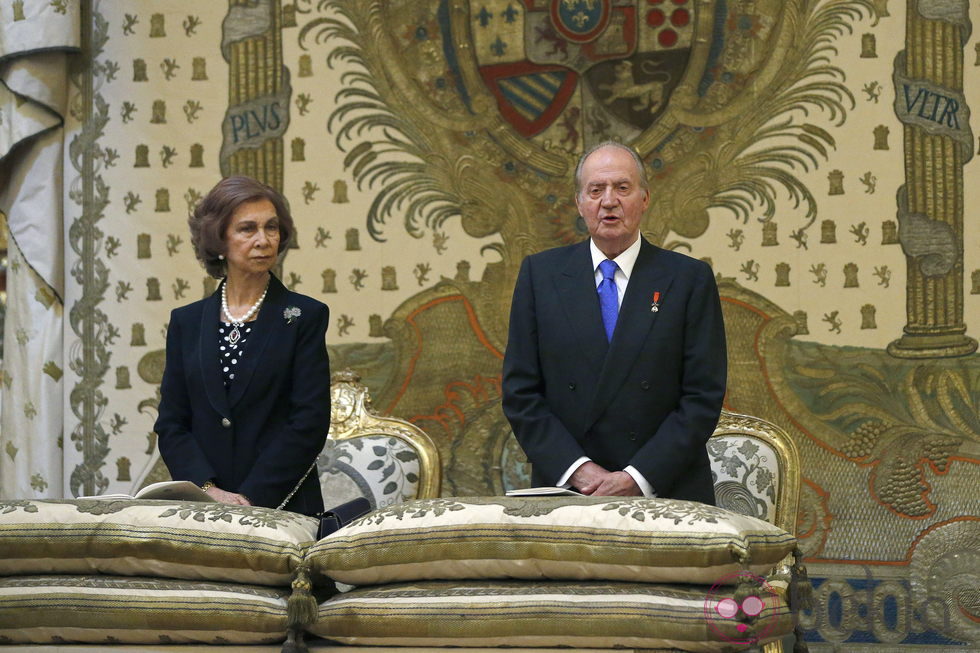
(608,297)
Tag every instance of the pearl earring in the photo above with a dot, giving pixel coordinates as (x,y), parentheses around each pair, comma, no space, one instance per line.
(221,257)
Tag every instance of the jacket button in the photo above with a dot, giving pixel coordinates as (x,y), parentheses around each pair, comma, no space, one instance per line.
(225,422)
(633,435)
(571,386)
(645,385)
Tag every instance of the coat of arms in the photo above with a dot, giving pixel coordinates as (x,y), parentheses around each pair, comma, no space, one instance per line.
(493,101)
(579,71)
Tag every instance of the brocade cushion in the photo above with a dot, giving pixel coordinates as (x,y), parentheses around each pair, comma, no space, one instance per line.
(746,475)
(550,614)
(182,540)
(57,609)
(561,538)
(381,468)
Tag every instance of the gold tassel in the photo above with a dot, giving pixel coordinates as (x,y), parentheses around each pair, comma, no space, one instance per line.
(294,642)
(800,598)
(800,590)
(747,586)
(742,554)
(301,608)
(800,645)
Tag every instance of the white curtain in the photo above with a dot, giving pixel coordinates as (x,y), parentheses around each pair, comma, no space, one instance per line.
(37,37)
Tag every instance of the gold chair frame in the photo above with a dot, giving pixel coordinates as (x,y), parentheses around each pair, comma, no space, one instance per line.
(788,494)
(352,416)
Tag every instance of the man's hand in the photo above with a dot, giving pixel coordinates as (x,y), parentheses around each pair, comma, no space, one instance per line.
(588,477)
(617,484)
(223,496)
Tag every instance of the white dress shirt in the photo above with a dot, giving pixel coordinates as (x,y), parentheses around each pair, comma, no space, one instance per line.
(624,269)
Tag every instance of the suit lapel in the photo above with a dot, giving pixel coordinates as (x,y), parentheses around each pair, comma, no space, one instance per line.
(209,355)
(270,319)
(576,289)
(636,319)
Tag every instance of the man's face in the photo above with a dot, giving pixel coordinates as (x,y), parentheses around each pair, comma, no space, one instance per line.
(611,199)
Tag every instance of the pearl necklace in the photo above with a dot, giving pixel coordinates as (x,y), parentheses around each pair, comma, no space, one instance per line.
(235,335)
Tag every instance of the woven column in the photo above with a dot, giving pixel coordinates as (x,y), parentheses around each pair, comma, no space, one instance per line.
(930,103)
(258,91)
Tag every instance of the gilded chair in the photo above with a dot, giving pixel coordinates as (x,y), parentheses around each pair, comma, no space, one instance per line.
(756,469)
(384,459)
(755,466)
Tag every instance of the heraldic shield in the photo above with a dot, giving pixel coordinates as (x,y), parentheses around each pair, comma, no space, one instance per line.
(572,72)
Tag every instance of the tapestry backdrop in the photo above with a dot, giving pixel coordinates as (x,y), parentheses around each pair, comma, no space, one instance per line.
(817,152)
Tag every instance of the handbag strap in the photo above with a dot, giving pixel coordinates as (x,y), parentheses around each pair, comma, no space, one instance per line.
(296,488)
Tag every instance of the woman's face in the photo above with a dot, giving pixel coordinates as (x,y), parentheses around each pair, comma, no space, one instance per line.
(252,237)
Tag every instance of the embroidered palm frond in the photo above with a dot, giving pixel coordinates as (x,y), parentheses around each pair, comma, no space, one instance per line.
(783,146)
(384,150)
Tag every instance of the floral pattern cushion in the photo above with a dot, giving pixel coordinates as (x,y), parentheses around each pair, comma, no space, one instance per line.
(745,471)
(58,609)
(381,468)
(595,538)
(183,540)
(550,613)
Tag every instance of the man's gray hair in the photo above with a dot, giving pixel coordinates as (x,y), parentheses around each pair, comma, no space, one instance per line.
(640,167)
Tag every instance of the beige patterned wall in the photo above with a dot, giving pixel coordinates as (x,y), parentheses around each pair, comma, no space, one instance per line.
(426,147)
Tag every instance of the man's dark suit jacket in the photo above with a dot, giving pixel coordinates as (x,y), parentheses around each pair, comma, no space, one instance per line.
(260,437)
(651,398)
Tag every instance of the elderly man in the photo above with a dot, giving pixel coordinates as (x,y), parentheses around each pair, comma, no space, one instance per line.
(615,369)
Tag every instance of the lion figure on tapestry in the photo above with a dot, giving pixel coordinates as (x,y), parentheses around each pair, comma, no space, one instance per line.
(648,95)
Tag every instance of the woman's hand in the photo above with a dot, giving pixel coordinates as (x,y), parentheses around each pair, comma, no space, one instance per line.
(223,496)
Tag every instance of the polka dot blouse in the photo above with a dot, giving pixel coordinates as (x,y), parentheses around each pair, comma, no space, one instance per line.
(230,355)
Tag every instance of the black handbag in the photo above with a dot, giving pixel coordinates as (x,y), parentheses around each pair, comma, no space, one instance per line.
(339,516)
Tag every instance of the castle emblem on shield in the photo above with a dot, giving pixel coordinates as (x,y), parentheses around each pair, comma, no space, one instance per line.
(576,71)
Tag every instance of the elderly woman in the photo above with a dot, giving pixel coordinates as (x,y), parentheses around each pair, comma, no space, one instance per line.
(245,398)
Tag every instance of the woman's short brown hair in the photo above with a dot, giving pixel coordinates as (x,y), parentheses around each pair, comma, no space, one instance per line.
(210,218)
